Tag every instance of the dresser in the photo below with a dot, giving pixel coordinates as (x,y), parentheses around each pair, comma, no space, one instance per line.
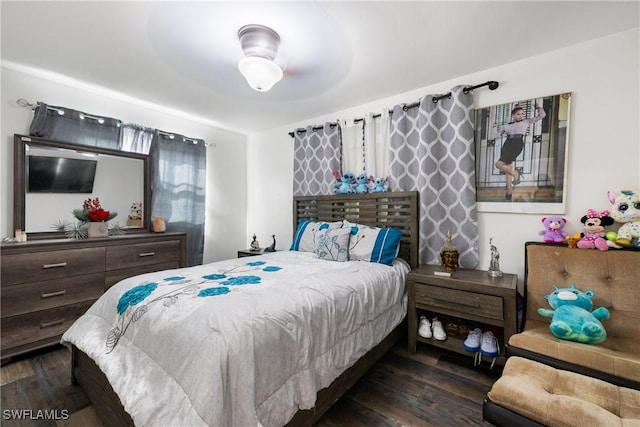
(464,294)
(47,284)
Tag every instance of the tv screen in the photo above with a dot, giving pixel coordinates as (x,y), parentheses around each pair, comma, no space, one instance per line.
(60,175)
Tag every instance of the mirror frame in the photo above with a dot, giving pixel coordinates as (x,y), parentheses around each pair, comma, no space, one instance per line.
(19,189)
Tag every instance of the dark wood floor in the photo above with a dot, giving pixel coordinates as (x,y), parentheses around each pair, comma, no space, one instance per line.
(429,388)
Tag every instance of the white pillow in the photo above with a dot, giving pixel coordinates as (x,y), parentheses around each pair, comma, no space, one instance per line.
(305,238)
(332,244)
(373,244)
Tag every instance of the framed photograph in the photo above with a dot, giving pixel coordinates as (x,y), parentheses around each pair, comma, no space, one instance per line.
(521,155)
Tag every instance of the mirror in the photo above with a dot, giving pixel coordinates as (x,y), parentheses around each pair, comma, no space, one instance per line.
(121,178)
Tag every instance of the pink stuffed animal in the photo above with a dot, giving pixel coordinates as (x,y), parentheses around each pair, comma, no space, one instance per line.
(593,234)
(553,229)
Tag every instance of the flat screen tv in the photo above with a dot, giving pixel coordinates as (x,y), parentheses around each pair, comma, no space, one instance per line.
(60,175)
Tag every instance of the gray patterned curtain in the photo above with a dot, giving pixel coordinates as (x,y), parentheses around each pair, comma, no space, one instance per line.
(316,154)
(432,151)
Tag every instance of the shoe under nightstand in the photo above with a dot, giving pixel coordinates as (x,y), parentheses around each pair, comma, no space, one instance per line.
(466,294)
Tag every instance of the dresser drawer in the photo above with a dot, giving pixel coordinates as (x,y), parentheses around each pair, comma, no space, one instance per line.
(458,302)
(28,297)
(40,325)
(114,276)
(119,257)
(48,265)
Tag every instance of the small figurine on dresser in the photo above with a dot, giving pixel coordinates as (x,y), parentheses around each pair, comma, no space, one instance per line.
(255,246)
(272,248)
(449,254)
(159,226)
(494,266)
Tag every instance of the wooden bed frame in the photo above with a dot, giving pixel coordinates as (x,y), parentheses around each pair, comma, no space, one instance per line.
(390,209)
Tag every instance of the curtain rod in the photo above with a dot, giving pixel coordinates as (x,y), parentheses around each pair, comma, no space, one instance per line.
(493,85)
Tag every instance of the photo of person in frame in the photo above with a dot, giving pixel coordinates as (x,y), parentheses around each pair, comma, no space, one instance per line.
(521,154)
(515,131)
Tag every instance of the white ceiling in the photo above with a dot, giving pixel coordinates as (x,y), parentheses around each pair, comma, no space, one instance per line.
(183,55)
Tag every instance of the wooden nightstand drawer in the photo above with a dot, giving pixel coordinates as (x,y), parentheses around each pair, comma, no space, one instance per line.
(119,257)
(455,301)
(48,265)
(40,325)
(28,297)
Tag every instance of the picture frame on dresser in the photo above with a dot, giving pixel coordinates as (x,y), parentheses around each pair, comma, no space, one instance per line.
(522,155)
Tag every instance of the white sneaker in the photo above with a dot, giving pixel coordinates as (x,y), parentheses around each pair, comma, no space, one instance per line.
(472,343)
(489,346)
(438,330)
(424,329)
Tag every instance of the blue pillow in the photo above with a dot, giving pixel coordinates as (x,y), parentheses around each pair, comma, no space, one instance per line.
(305,238)
(373,244)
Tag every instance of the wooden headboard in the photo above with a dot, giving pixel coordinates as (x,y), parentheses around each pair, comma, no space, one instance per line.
(389,209)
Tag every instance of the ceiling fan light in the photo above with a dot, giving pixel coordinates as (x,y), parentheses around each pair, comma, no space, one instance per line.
(261,73)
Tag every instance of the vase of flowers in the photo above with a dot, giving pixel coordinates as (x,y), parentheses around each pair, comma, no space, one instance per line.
(95,216)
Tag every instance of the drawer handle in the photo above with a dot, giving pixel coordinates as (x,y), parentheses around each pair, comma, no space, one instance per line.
(53,294)
(468,304)
(52,323)
(59,264)
(146,254)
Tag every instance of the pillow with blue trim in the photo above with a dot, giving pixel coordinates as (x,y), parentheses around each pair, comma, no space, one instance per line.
(373,244)
(305,239)
(333,244)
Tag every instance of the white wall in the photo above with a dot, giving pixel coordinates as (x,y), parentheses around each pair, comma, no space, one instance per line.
(225,223)
(604,142)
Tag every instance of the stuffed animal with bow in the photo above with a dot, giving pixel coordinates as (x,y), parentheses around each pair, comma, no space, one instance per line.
(593,235)
(346,183)
(626,210)
(553,229)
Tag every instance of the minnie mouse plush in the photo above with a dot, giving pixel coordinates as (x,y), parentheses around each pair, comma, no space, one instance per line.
(593,235)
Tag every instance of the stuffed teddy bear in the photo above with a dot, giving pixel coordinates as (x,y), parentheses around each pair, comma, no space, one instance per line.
(572,318)
(553,229)
(362,184)
(346,183)
(380,185)
(626,209)
(594,235)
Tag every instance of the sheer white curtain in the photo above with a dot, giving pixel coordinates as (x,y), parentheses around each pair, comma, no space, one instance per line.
(353,147)
(136,138)
(377,132)
(365,145)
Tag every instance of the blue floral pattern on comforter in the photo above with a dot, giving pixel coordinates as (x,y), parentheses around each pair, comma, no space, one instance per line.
(135,302)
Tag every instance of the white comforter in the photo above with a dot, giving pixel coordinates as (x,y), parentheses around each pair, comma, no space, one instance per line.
(241,342)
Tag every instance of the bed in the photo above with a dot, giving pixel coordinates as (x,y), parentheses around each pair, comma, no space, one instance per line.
(271,340)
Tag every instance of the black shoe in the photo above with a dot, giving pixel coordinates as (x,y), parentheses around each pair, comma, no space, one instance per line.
(516,181)
(507,197)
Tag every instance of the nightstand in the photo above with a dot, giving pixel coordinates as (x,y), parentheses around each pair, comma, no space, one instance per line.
(466,294)
(249,252)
